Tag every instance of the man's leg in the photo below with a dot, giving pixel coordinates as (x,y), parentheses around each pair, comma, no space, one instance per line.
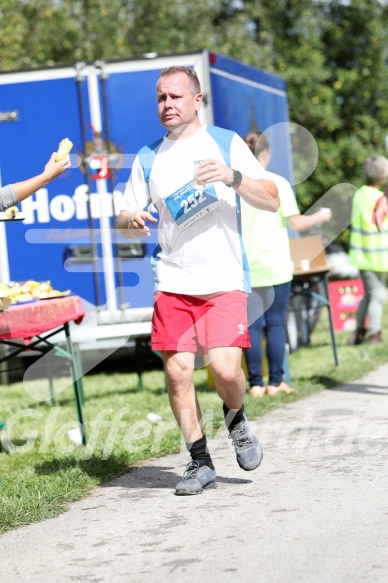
(200,473)
(179,369)
(225,364)
(229,378)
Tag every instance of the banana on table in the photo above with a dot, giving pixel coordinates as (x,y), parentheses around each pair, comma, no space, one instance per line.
(30,290)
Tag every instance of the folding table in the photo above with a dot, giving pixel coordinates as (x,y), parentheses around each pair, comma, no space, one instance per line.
(310,267)
(36,323)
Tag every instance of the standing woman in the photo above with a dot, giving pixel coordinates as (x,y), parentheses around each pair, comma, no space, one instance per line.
(369,251)
(267,247)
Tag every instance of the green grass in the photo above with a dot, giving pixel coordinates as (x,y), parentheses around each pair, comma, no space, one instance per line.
(44,470)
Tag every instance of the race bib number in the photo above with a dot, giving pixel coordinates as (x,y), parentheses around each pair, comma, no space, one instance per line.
(188,204)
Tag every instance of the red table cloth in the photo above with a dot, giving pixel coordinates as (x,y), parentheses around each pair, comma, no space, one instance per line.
(32,319)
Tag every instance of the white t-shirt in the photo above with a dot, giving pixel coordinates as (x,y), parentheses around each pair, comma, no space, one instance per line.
(208,256)
(266,238)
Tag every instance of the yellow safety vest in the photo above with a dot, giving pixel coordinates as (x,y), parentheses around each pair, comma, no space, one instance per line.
(368,248)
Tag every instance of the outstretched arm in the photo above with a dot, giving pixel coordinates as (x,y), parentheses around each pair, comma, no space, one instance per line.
(304,222)
(52,169)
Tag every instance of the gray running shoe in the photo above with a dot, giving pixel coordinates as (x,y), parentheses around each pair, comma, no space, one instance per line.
(246,445)
(196,478)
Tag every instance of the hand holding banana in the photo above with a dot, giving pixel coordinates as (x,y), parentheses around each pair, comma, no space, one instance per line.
(63,149)
(59,161)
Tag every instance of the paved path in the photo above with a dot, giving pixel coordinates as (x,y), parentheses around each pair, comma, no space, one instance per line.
(315,511)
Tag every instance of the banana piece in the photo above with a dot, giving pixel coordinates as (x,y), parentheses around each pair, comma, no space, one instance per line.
(29,286)
(63,149)
(24,297)
(4,289)
(11,212)
(30,290)
(31,283)
(45,286)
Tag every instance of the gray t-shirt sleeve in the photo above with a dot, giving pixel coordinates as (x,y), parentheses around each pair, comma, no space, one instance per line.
(8,197)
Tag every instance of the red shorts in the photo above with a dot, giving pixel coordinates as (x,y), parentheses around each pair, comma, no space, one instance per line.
(197,324)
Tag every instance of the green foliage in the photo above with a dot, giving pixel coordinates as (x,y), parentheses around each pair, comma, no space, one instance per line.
(333,56)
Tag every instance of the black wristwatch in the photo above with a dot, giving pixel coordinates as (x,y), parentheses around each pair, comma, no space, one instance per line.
(237,177)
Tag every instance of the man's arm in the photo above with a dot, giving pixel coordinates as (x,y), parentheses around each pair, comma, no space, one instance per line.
(132,224)
(257,192)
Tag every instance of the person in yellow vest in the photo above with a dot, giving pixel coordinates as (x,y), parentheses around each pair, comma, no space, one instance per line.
(368,251)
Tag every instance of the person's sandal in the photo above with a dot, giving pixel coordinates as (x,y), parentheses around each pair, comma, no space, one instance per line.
(283,387)
(257,391)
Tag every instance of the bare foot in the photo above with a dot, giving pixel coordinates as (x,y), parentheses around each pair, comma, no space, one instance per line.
(283,387)
(257,391)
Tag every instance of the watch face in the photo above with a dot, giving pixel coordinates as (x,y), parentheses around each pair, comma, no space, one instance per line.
(237,177)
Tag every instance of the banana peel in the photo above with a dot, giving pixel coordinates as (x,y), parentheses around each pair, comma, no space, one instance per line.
(11,212)
(64,148)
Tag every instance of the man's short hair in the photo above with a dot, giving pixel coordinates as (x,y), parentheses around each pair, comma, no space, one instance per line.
(190,73)
(257,142)
(376,169)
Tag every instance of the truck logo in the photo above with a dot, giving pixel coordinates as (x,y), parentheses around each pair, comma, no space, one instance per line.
(101,157)
(39,208)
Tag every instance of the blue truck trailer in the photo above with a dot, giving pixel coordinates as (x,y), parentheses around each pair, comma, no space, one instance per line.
(108,110)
